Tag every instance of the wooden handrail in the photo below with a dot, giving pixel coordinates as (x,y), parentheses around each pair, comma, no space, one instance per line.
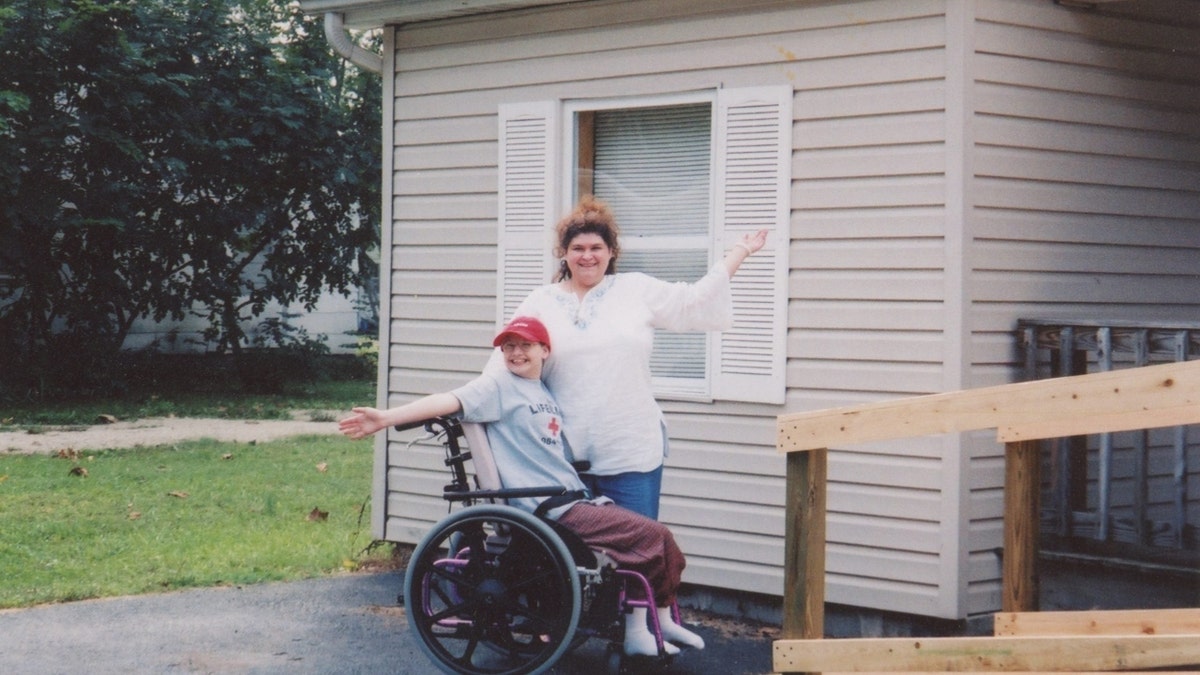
(1021,413)
(1117,400)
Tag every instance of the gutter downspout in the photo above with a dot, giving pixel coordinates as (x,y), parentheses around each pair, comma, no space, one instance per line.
(339,39)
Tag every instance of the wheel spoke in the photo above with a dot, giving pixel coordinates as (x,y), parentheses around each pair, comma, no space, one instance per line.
(442,595)
(448,613)
(472,644)
(456,577)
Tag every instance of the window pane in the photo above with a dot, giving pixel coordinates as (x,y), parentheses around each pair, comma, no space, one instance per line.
(668,265)
(653,166)
(675,355)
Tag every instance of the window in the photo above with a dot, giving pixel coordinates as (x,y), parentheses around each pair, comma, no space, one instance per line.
(686,176)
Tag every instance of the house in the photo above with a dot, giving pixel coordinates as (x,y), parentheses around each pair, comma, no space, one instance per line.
(933,172)
(336,320)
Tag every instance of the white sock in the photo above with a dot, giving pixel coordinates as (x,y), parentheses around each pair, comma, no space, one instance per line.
(673,632)
(639,641)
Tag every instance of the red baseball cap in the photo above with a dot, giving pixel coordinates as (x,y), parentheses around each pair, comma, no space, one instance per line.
(525,327)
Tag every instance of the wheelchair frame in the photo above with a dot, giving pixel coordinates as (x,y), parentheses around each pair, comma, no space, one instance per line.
(495,590)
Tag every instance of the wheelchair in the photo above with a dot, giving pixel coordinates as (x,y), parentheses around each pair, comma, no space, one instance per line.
(495,590)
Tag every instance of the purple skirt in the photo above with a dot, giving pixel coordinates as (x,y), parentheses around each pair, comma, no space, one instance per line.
(633,541)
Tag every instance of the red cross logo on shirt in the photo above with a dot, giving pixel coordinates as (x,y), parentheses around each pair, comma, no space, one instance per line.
(553,426)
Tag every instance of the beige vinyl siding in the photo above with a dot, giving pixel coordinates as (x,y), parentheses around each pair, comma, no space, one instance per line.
(1103,141)
(869,266)
(1086,191)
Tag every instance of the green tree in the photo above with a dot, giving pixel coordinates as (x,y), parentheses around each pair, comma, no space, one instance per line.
(160,157)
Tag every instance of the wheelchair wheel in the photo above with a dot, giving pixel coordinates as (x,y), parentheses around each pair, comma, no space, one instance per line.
(492,590)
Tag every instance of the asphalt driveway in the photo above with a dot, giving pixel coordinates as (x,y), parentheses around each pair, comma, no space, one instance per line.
(344,624)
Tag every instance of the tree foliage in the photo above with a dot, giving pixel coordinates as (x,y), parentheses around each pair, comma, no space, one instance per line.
(166,157)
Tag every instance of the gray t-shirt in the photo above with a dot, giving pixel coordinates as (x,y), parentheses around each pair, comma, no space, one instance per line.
(524,430)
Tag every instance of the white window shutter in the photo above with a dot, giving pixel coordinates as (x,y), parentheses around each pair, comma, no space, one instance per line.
(753,183)
(527,171)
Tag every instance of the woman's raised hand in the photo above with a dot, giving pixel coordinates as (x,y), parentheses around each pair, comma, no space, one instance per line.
(748,245)
(754,241)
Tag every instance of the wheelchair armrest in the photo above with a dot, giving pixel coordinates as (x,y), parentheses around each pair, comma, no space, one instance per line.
(410,425)
(444,422)
(505,493)
(581,466)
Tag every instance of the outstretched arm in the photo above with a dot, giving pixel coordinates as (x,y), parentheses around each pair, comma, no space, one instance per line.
(747,246)
(366,421)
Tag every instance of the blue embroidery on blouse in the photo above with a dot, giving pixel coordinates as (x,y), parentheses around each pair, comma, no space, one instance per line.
(582,313)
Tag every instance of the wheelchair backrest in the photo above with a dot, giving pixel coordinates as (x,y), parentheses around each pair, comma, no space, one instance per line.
(486,474)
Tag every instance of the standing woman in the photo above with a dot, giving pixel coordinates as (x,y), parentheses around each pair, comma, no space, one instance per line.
(602,325)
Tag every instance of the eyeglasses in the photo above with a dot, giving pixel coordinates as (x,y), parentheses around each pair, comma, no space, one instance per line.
(510,347)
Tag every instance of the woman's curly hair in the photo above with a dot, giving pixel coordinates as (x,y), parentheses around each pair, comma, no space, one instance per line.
(590,216)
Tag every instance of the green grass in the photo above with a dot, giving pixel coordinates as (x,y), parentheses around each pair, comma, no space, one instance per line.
(193,514)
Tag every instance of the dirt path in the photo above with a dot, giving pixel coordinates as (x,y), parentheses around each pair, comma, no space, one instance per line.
(155,431)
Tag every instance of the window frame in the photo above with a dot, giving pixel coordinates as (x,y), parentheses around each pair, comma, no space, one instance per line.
(579,156)
(752,173)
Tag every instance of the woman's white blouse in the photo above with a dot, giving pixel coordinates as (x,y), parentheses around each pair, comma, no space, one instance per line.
(599,365)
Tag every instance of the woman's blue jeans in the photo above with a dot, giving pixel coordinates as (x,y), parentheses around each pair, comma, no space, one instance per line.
(638,492)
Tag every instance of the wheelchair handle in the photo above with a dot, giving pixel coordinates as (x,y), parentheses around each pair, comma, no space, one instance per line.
(444,422)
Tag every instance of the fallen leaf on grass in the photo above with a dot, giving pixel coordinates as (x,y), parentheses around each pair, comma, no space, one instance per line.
(317,515)
(68,453)
(106,419)
(323,467)
(134,515)
(178,493)
(228,455)
(78,471)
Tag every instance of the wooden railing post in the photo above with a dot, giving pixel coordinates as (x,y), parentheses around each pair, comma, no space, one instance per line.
(804,546)
(1022,496)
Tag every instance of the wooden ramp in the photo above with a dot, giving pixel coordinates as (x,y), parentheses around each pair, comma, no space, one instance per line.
(1025,641)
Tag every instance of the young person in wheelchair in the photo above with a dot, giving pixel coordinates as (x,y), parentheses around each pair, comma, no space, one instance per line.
(530,443)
